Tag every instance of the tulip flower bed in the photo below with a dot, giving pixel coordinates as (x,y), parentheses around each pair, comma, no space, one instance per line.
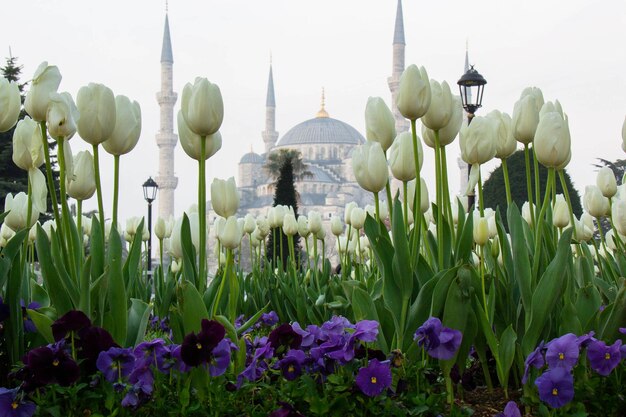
(429,310)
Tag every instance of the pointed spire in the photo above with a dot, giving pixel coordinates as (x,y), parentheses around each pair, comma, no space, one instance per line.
(166,50)
(467,65)
(270,101)
(322,112)
(398,32)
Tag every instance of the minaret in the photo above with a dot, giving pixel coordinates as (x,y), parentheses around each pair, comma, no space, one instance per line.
(397,69)
(166,139)
(270,135)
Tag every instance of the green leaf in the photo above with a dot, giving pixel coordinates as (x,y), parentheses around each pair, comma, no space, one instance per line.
(131,266)
(440,292)
(192,307)
(43,324)
(190,271)
(403,274)
(56,290)
(520,256)
(364,309)
(588,303)
(617,317)
(8,253)
(116,296)
(506,354)
(138,316)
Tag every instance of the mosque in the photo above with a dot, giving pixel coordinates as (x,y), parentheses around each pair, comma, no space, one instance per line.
(326,145)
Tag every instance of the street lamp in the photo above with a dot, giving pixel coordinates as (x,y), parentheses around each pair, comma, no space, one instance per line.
(471,86)
(150,188)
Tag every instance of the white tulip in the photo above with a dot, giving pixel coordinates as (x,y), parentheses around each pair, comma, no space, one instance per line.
(18,211)
(202,107)
(191,142)
(81,184)
(224,197)
(441,106)
(401,160)
(336,226)
(370,166)
(45,81)
(414,94)
(96,105)
(606,182)
(380,125)
(10,104)
(27,146)
(127,129)
(62,116)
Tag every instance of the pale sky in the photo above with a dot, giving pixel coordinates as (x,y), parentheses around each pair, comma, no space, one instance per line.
(572,49)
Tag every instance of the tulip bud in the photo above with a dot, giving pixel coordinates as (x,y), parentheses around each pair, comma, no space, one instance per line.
(160,228)
(290,224)
(81,184)
(10,103)
(370,166)
(321,234)
(6,233)
(606,182)
(18,210)
(537,95)
(380,125)
(191,142)
(224,197)
(610,240)
(175,266)
(45,81)
(424,201)
(263,227)
(315,222)
(303,226)
(27,146)
(86,225)
(594,202)
(552,140)
(249,223)
(525,119)
(414,94)
(62,116)
(96,104)
(481,230)
(582,231)
(490,215)
(506,145)
(526,213)
(478,141)
(230,236)
(449,132)
(48,226)
(342,244)
(401,158)
(358,218)
(560,215)
(441,106)
(202,107)
(383,210)
(127,129)
(336,227)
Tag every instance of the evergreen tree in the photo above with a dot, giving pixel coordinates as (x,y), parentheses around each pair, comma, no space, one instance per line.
(494,189)
(13,179)
(284,194)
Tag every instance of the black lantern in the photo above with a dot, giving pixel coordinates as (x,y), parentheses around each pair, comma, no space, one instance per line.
(150,188)
(471,86)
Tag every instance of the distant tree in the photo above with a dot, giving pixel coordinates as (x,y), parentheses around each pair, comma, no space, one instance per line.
(284,194)
(13,179)
(276,160)
(494,189)
(618,167)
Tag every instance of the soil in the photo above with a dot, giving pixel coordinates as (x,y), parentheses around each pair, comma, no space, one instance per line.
(485,403)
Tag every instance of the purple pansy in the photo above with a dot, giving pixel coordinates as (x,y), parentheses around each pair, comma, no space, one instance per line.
(374,379)
(511,410)
(602,358)
(150,353)
(116,363)
(12,404)
(50,364)
(336,325)
(220,358)
(556,387)
(535,359)
(291,364)
(285,410)
(92,341)
(585,339)
(440,342)
(268,319)
(284,337)
(563,352)
(29,326)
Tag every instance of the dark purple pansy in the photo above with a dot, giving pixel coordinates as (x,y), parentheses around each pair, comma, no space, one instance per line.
(179,363)
(511,410)
(284,337)
(535,359)
(563,352)
(602,358)
(220,358)
(197,349)
(51,364)
(92,341)
(116,363)
(556,387)
(72,321)
(4,311)
(12,404)
(291,364)
(373,379)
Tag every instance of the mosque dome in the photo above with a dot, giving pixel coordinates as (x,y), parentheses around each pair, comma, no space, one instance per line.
(251,158)
(321,130)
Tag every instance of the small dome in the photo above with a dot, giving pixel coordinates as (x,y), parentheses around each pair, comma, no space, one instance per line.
(321,130)
(251,158)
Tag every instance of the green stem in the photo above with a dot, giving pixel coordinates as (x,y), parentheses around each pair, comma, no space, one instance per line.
(481,202)
(537,188)
(377,203)
(569,202)
(418,194)
(446,187)
(218,297)
(79,227)
(539,226)
(292,252)
(389,200)
(65,209)
(507,184)
(116,185)
(529,187)
(96,167)
(202,216)
(51,188)
(482,280)
(405,206)
(439,199)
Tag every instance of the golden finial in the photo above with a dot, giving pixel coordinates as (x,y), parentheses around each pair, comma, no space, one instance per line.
(322,112)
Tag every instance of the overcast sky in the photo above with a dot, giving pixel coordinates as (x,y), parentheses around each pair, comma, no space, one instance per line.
(572,49)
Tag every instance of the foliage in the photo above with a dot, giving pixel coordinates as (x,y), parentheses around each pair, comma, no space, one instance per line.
(493,188)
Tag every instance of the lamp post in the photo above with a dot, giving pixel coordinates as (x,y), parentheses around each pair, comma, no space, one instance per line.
(150,188)
(471,86)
